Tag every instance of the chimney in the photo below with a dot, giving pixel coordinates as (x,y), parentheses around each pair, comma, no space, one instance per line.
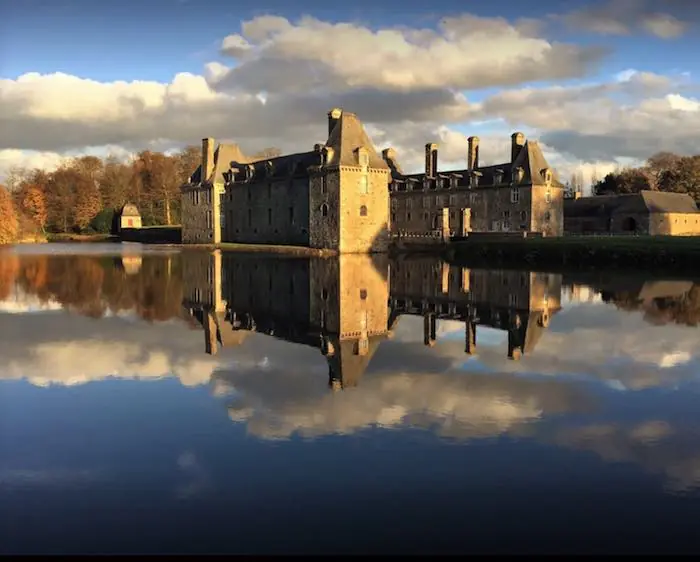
(333,118)
(431,160)
(207,159)
(517,141)
(473,156)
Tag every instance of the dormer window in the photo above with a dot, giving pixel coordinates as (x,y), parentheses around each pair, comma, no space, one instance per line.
(547,177)
(269,168)
(362,157)
(518,174)
(498,177)
(327,155)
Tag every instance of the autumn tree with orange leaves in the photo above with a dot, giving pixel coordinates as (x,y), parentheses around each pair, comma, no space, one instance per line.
(8,218)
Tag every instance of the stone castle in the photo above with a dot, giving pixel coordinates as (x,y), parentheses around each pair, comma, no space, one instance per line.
(345,197)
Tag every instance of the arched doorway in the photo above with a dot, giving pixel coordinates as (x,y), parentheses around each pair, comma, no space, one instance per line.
(629,224)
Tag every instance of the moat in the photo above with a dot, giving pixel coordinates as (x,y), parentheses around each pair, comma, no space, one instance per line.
(163,400)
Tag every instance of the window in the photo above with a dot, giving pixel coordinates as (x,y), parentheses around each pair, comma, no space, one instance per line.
(364,159)
(453,215)
(269,217)
(426,202)
(497,178)
(547,216)
(523,215)
(209,222)
(548,196)
(506,215)
(408,216)
(409,203)
(363,211)
(364,183)
(437,200)
(472,198)
(324,186)
(324,210)
(394,203)
(291,215)
(453,200)
(514,195)
(363,294)
(513,300)
(393,217)
(324,294)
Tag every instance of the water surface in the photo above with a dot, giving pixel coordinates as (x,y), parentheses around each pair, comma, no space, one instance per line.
(161,401)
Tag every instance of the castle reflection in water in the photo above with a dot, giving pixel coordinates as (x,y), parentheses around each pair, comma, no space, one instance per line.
(346,306)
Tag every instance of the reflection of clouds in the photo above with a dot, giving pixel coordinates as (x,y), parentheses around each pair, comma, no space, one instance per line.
(654,445)
(601,343)
(66,349)
(197,476)
(453,402)
(54,477)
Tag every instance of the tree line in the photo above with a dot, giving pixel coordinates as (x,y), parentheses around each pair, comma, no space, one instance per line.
(664,171)
(82,194)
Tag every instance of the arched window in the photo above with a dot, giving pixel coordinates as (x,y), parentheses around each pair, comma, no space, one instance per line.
(324,210)
(363,211)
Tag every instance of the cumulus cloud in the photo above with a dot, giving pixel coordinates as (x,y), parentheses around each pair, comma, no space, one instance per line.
(633,116)
(624,17)
(277,55)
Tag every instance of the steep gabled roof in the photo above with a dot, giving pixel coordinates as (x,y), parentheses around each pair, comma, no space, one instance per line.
(346,365)
(346,137)
(532,160)
(664,202)
(223,156)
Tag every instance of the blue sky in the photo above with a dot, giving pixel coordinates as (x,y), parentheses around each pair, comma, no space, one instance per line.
(563,43)
(155,39)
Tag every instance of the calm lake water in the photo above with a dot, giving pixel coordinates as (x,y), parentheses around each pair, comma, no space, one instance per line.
(162,401)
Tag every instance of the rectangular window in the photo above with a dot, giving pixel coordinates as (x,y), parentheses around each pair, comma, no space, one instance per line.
(364,184)
(514,195)
(409,203)
(364,159)
(209,225)
(324,185)
(472,198)
(513,300)
(394,203)
(426,202)
(548,196)
(408,216)
(437,200)
(506,214)
(453,200)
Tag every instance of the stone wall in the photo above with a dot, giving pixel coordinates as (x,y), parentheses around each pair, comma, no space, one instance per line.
(492,209)
(675,224)
(547,212)
(200,214)
(363,213)
(324,209)
(267,212)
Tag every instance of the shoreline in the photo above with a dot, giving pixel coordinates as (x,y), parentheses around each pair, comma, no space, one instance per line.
(672,253)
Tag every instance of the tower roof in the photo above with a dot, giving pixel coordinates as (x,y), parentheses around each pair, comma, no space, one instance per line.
(346,137)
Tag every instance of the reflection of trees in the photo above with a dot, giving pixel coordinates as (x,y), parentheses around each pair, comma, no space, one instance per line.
(93,286)
(684,309)
(9,268)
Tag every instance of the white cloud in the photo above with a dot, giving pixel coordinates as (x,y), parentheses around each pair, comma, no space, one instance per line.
(409,85)
(624,17)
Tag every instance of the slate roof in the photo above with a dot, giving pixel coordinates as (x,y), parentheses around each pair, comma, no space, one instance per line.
(630,203)
(347,136)
(129,210)
(530,158)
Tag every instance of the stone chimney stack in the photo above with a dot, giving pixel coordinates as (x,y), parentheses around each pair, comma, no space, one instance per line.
(517,141)
(431,160)
(207,159)
(473,156)
(333,118)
